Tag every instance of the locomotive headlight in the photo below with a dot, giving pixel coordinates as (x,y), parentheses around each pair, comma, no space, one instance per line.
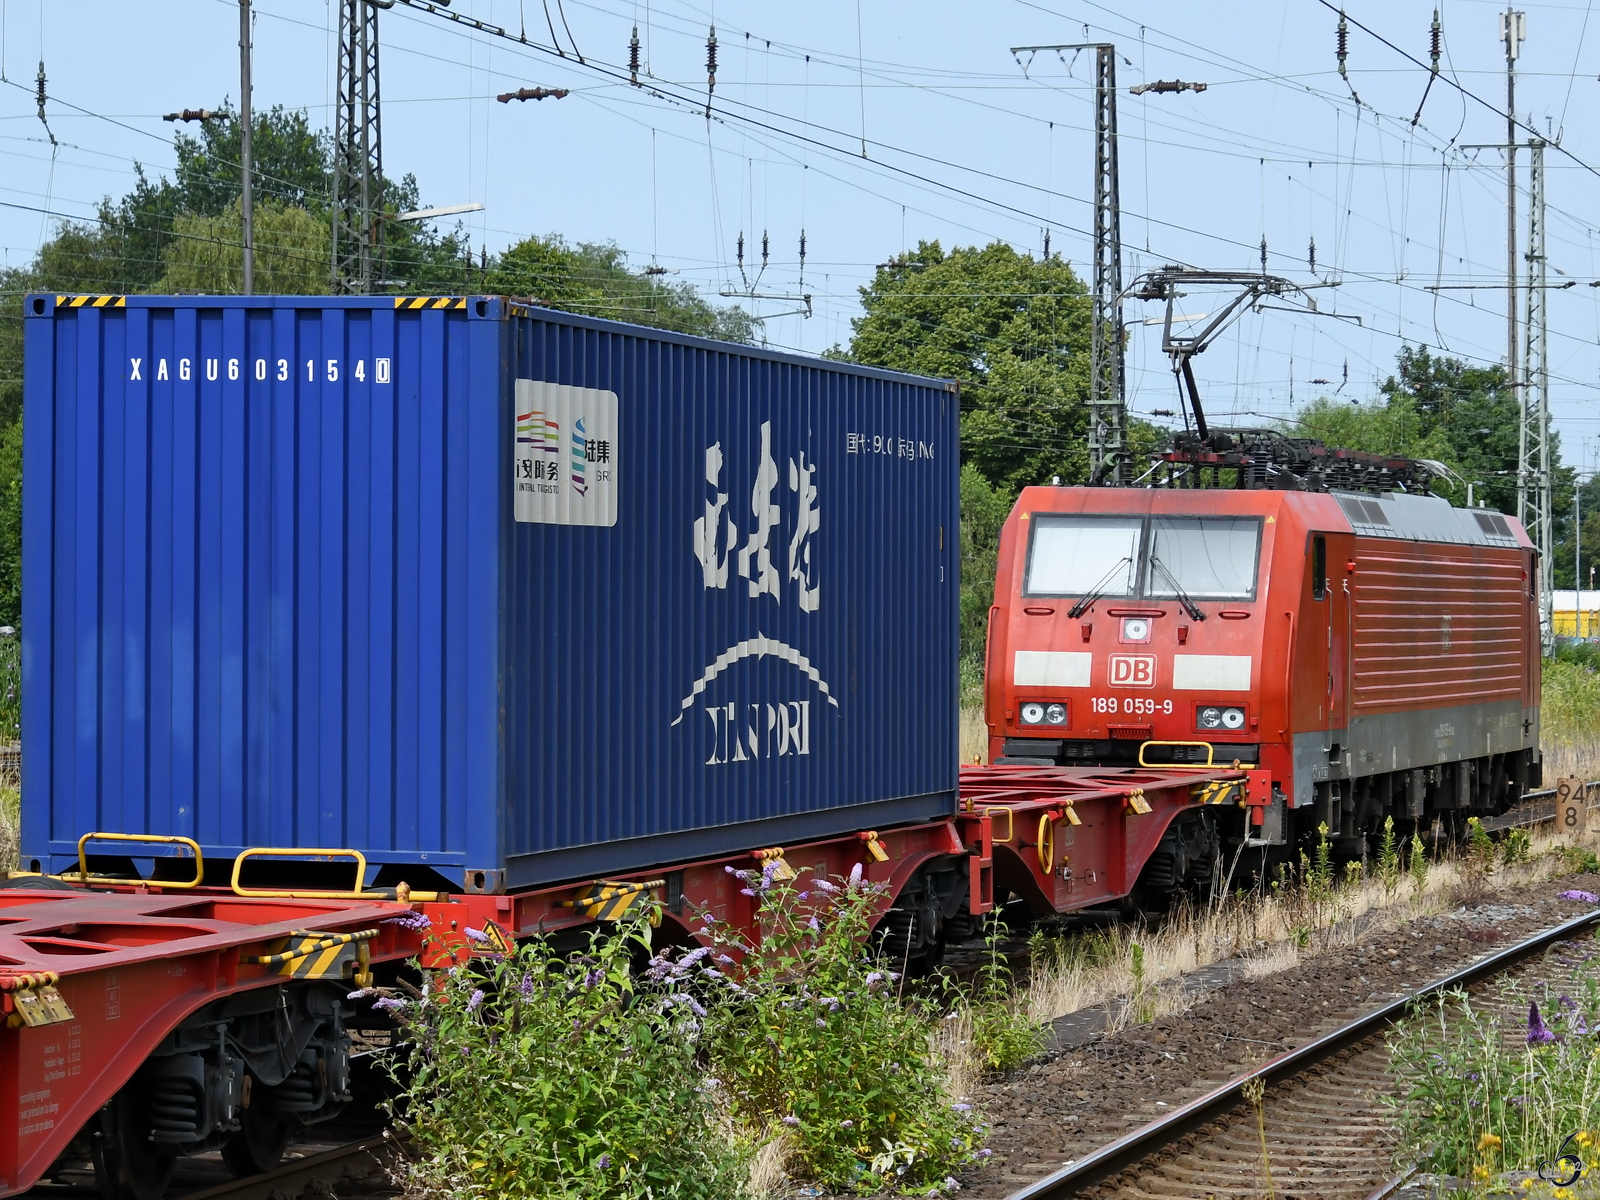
(1033,714)
(1216,716)
(1055,714)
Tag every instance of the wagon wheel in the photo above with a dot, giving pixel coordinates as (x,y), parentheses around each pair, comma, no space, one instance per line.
(128,1165)
(259,1144)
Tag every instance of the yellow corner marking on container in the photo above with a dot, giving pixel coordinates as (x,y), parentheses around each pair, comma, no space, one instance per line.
(416,302)
(91,302)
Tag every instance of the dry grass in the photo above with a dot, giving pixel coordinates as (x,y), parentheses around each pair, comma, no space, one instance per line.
(1271,932)
(963,1061)
(10,827)
(1580,758)
(769,1168)
(974,735)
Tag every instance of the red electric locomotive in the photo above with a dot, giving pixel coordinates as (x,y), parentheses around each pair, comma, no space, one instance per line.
(1372,654)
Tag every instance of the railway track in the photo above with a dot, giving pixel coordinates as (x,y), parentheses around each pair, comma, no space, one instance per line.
(1326,1135)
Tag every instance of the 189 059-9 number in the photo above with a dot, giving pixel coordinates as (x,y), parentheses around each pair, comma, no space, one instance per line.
(1133,706)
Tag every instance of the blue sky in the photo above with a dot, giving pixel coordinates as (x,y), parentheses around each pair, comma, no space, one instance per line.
(963,143)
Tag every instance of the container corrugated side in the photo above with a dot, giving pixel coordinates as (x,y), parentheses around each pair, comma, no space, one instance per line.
(275,592)
(667,696)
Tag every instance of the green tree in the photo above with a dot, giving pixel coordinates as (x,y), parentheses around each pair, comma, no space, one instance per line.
(984,509)
(206,254)
(594,279)
(1012,329)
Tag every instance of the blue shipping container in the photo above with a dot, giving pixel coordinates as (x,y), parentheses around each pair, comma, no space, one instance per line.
(513,594)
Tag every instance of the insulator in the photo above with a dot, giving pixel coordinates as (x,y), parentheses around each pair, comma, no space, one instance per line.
(1263,254)
(1343,42)
(711,59)
(802,249)
(741,249)
(1436,37)
(633,57)
(763,247)
(1311,256)
(41,89)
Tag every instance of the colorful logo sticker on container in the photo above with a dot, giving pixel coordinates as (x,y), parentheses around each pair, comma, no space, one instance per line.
(564,465)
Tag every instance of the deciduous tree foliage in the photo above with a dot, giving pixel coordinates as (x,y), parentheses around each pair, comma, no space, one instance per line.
(1012,329)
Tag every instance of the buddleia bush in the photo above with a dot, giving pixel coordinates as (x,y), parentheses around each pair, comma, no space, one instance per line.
(810,1038)
(553,1076)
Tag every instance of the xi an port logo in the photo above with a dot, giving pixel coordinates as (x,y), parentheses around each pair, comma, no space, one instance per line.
(1131,670)
(763,554)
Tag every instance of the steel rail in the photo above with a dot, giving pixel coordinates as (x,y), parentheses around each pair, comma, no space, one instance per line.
(1115,1157)
(290,1178)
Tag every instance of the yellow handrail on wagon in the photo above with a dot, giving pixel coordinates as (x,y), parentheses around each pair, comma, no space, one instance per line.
(157,838)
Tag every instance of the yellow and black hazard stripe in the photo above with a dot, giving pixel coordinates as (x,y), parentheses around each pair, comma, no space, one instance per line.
(414,302)
(605,901)
(311,955)
(1216,791)
(91,302)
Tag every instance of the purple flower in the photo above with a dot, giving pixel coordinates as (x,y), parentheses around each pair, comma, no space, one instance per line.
(725,960)
(477,935)
(855,876)
(791,1120)
(821,1024)
(985,1152)
(1537,1032)
(950,1185)
(746,892)
(1586,897)
(874,978)
(805,896)
(593,977)
(730,870)
(1568,1003)
(389,1004)
(695,955)
(414,921)
(814,925)
(526,987)
(603,1162)
(846,1124)
(361,992)
(962,1107)
(824,886)
(475,999)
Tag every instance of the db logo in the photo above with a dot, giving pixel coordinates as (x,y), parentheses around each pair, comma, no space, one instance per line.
(1133,670)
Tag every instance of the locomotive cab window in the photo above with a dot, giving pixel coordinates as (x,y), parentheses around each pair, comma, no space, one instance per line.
(1206,558)
(1075,555)
(1319,567)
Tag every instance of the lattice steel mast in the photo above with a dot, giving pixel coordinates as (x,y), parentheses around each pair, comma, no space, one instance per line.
(1533,442)
(357,151)
(1108,412)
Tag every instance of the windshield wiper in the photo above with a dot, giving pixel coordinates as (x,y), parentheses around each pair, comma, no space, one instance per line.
(1183,596)
(1082,606)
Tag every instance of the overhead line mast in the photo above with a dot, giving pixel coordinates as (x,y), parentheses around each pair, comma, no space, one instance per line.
(357,150)
(1108,406)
